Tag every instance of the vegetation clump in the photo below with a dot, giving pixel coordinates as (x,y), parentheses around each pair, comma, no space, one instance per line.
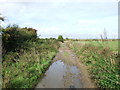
(101,60)
(25,56)
(60,38)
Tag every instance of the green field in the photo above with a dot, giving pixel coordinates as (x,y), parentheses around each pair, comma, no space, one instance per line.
(112,45)
(102,61)
(26,58)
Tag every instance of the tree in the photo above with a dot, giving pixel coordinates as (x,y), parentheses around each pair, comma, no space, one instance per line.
(67,38)
(60,38)
(15,38)
(1,18)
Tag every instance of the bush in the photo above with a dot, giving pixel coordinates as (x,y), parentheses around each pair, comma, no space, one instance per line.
(14,38)
(60,38)
(24,68)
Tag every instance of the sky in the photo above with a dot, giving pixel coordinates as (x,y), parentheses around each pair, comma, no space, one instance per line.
(78,19)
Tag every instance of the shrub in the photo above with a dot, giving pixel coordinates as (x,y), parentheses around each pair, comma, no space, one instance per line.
(24,68)
(13,37)
(60,38)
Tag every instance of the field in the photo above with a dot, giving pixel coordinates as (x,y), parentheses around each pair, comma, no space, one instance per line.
(101,59)
(59,44)
(26,57)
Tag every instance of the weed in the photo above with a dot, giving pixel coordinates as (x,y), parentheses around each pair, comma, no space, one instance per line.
(101,60)
(24,68)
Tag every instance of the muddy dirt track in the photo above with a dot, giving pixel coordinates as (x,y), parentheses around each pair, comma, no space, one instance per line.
(66,71)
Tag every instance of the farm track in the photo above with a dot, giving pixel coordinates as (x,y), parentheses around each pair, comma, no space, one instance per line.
(66,72)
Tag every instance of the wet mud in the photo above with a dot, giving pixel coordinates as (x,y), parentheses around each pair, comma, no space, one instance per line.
(66,71)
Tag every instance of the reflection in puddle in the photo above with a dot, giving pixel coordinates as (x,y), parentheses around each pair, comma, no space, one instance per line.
(61,75)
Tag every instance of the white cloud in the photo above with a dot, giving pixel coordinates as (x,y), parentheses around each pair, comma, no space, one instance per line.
(85,22)
(96,26)
(59,1)
(101,22)
(73,20)
(50,30)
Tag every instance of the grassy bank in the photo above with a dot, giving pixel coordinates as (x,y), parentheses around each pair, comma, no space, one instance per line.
(23,69)
(25,57)
(102,61)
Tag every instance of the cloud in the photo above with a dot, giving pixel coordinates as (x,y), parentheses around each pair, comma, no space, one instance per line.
(96,26)
(59,1)
(85,22)
(104,21)
(50,30)
(61,17)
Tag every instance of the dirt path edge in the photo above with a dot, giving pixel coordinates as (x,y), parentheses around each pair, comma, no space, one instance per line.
(85,76)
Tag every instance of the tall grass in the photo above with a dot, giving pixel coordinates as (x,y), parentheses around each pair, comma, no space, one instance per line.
(102,61)
(23,69)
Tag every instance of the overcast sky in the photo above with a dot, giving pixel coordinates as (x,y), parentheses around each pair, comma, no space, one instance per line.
(72,19)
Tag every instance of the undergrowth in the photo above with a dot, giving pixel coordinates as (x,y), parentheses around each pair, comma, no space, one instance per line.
(102,62)
(23,68)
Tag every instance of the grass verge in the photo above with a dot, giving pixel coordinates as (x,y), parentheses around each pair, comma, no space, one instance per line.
(23,69)
(102,61)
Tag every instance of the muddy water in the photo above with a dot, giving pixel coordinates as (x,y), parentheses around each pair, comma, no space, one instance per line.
(61,75)
(66,71)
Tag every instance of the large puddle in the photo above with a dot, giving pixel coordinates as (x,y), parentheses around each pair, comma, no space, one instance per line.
(61,75)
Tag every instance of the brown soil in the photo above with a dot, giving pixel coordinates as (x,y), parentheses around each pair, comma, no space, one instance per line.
(68,56)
